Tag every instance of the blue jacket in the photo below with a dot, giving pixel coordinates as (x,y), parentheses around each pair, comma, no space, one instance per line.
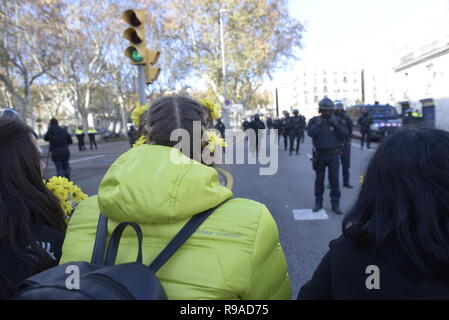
(327,134)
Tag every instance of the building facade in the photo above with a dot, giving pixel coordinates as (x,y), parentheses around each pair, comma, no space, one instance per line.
(422,70)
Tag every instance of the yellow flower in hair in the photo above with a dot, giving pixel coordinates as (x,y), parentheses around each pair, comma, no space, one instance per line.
(142,140)
(215,140)
(68,194)
(212,107)
(138,112)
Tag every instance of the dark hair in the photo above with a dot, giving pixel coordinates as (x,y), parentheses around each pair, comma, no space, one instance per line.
(54,121)
(404,199)
(24,199)
(170,113)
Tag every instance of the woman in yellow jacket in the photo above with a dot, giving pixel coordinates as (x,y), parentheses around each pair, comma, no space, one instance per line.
(234,254)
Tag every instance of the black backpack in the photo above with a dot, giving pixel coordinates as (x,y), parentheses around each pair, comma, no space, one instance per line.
(101,279)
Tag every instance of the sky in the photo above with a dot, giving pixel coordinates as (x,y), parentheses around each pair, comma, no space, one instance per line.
(342,31)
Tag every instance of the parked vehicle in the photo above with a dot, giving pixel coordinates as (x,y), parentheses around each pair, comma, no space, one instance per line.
(386,119)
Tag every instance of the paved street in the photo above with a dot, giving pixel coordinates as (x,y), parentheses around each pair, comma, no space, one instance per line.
(305,242)
(291,188)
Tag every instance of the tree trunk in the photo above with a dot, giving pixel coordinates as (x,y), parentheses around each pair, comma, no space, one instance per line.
(124,115)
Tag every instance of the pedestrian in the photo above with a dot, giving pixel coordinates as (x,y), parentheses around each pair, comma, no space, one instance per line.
(246,124)
(295,127)
(303,120)
(328,134)
(284,128)
(395,238)
(346,146)
(269,123)
(59,141)
(132,135)
(365,121)
(231,256)
(257,125)
(80,136)
(277,127)
(221,128)
(31,218)
(91,133)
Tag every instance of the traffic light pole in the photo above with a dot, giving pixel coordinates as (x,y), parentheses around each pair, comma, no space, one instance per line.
(141,84)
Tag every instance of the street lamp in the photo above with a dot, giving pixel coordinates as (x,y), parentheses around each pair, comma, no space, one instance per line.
(223,61)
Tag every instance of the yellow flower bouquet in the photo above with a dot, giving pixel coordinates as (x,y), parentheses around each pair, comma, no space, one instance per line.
(68,194)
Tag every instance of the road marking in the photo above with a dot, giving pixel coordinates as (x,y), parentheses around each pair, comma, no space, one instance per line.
(229,178)
(86,159)
(308,214)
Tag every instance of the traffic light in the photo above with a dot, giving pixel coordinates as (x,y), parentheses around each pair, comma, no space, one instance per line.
(136,35)
(151,73)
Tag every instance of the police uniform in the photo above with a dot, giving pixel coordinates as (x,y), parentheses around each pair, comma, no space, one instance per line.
(328,136)
(80,136)
(365,121)
(91,134)
(284,128)
(295,126)
(346,146)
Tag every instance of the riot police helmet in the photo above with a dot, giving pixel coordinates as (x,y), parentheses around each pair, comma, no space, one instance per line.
(339,105)
(295,112)
(326,104)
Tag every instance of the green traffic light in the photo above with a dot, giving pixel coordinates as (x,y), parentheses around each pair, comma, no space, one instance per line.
(135,56)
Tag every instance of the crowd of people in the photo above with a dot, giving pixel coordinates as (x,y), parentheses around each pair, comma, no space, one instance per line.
(399,222)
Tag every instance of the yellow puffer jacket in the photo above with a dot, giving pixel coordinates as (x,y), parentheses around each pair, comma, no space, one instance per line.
(234,254)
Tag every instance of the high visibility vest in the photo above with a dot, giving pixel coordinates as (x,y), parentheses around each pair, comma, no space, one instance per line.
(91,131)
(79,132)
(416,115)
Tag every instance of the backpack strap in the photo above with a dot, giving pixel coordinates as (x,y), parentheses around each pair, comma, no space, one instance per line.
(114,242)
(100,240)
(181,237)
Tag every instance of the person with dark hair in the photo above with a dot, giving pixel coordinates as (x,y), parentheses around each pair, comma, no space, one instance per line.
(80,136)
(59,140)
(395,241)
(328,134)
(235,253)
(32,222)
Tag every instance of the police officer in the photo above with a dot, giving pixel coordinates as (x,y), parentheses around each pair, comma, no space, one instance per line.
(328,134)
(346,147)
(284,129)
(365,121)
(91,134)
(257,125)
(295,126)
(303,120)
(220,127)
(132,135)
(80,136)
